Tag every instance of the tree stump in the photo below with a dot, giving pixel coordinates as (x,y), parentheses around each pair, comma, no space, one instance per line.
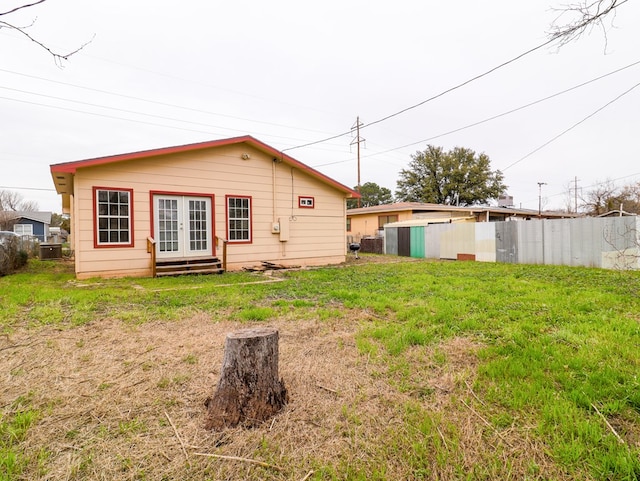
(249,391)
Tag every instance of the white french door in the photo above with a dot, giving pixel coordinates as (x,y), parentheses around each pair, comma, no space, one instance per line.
(183,226)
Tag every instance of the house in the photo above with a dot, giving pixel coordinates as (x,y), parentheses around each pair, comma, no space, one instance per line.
(616,213)
(32,225)
(369,221)
(237,199)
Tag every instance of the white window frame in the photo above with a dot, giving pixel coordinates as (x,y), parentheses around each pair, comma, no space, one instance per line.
(233,221)
(23,229)
(306,202)
(113,217)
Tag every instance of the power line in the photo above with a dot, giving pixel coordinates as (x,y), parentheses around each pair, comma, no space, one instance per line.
(127,111)
(508,112)
(596,184)
(571,128)
(100,115)
(156,102)
(26,188)
(494,117)
(113,117)
(430,99)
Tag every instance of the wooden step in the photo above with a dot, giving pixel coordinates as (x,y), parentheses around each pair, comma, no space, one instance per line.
(188,266)
(188,272)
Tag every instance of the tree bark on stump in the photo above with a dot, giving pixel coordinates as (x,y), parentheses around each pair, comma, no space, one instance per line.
(249,391)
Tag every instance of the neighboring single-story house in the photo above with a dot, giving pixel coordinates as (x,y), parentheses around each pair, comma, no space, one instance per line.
(236,199)
(29,224)
(616,213)
(370,221)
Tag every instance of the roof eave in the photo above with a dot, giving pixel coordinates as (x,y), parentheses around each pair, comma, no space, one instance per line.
(72,167)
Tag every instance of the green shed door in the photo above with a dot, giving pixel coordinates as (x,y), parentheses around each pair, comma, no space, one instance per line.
(417,241)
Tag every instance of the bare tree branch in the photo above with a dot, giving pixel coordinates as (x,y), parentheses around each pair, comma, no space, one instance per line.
(587,15)
(21,7)
(58,57)
(13,201)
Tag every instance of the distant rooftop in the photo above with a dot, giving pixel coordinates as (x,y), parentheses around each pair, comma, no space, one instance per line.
(470,209)
(44,217)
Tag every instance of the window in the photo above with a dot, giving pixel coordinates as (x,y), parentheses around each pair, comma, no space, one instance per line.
(198,229)
(113,217)
(348,224)
(386,219)
(168,225)
(305,202)
(239,219)
(23,229)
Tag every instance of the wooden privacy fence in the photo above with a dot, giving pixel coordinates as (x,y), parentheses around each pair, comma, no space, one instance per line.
(610,243)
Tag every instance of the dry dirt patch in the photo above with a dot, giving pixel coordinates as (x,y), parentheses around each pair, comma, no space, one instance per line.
(120,401)
(108,392)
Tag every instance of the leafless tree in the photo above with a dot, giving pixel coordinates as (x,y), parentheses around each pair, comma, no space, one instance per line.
(568,199)
(605,197)
(624,241)
(574,19)
(630,198)
(601,198)
(58,57)
(11,202)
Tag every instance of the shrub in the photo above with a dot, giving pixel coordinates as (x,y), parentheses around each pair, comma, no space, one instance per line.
(9,254)
(21,259)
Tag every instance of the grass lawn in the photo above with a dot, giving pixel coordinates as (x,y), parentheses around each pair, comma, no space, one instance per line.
(396,369)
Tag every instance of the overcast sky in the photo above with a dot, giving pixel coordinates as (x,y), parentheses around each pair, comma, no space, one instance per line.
(159,74)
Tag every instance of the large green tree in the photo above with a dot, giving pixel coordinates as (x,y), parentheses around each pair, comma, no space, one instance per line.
(457,177)
(372,194)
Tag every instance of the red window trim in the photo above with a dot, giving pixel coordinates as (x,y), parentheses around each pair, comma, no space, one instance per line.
(96,244)
(226,208)
(313,202)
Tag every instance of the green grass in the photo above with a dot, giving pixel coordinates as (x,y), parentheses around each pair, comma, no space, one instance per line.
(14,428)
(557,343)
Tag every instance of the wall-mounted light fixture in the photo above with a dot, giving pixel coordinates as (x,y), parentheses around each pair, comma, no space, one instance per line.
(245,156)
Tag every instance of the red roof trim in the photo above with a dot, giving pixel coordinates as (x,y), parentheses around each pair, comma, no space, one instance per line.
(72,167)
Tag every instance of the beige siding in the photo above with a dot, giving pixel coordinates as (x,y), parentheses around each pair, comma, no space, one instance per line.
(316,236)
(363,225)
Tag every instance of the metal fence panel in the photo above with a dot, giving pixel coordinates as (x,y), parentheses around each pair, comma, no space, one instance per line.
(485,237)
(507,242)
(556,240)
(621,243)
(529,249)
(612,243)
(586,242)
(459,240)
(391,240)
(417,241)
(433,237)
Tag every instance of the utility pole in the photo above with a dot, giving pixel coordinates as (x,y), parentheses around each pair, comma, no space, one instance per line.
(575,192)
(357,140)
(540,184)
